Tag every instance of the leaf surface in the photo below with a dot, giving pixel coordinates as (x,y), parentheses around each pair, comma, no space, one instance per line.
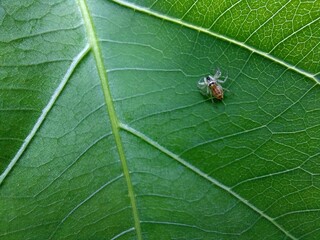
(104,134)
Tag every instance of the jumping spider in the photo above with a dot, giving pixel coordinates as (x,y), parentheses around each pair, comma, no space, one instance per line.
(211,86)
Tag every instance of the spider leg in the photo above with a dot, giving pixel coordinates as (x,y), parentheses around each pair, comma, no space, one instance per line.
(217,74)
(202,86)
(226,89)
(202,83)
(222,81)
(212,100)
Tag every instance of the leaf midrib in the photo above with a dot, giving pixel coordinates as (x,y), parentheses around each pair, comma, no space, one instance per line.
(116,125)
(94,43)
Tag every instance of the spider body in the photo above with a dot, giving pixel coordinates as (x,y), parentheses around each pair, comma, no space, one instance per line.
(211,86)
(216,90)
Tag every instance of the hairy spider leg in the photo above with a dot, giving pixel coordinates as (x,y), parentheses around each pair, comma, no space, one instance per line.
(222,81)
(217,74)
(203,86)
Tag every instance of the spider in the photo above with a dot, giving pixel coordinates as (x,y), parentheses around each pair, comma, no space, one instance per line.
(210,86)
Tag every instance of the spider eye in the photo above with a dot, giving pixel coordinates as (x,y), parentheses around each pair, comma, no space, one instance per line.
(208,78)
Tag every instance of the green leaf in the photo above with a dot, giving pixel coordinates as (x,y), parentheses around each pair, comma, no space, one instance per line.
(104,134)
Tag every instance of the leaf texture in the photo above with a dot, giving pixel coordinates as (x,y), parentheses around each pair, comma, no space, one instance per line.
(104,135)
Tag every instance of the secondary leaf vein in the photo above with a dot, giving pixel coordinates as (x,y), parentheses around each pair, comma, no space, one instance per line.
(203,175)
(266,55)
(45,111)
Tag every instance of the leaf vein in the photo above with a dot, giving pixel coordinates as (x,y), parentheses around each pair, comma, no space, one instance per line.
(45,111)
(203,175)
(84,201)
(94,42)
(266,55)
